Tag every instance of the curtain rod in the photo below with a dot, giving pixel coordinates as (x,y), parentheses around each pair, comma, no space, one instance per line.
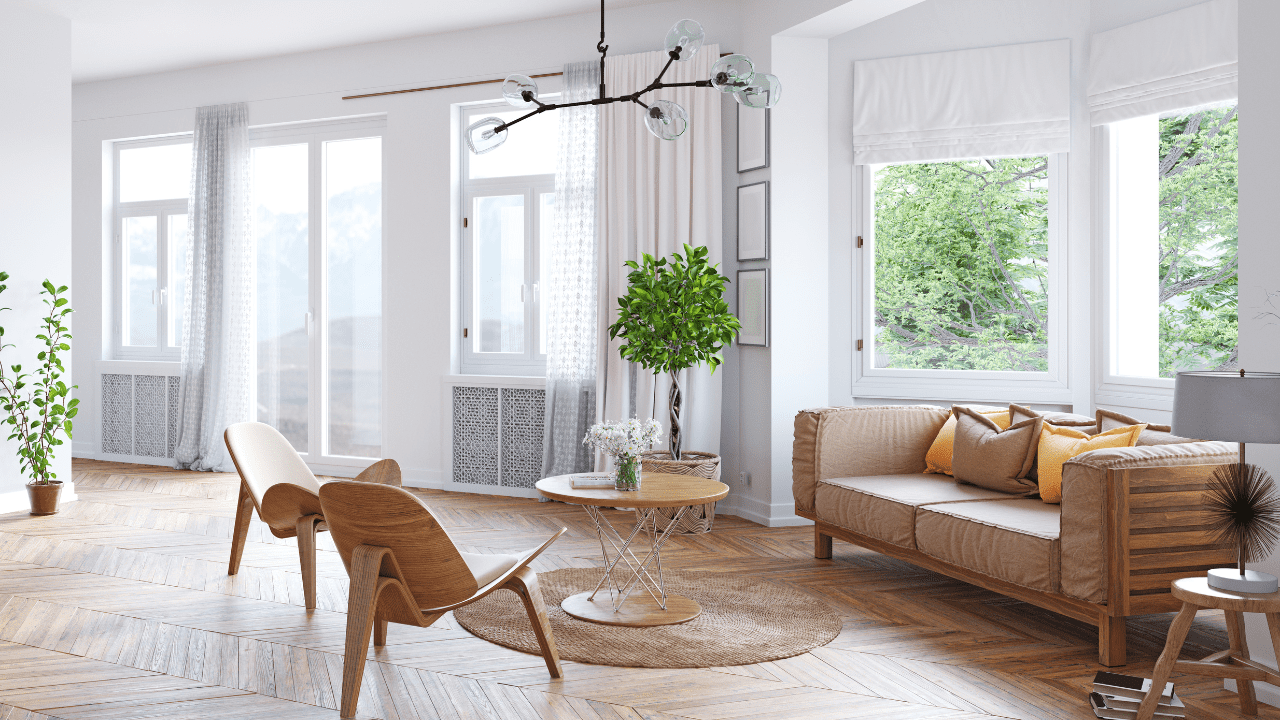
(455,85)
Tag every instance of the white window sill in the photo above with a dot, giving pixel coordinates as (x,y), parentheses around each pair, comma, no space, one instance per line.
(139,367)
(510,381)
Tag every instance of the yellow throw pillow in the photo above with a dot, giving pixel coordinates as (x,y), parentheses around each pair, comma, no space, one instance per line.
(938,459)
(1060,444)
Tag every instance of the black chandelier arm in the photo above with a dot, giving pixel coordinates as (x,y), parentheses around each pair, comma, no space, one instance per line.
(633,98)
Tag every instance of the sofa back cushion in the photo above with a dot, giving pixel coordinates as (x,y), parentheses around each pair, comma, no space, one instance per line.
(996,460)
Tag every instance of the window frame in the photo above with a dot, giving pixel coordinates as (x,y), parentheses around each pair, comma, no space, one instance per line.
(161,210)
(1150,393)
(315,134)
(533,361)
(1051,386)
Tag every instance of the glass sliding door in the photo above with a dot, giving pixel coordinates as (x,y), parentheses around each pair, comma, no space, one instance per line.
(318,227)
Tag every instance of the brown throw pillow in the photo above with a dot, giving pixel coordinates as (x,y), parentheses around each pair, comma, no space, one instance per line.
(1153,435)
(996,460)
(1061,419)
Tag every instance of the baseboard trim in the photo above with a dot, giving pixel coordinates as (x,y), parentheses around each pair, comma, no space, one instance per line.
(761,513)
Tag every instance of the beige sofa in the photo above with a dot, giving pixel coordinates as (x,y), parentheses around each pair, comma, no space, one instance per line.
(1128,524)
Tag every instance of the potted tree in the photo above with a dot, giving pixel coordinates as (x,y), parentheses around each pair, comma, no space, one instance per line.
(672,318)
(39,415)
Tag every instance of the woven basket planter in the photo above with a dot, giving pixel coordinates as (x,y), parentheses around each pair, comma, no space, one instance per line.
(699,518)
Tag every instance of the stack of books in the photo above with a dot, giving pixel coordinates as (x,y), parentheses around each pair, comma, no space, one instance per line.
(1117,697)
(599,481)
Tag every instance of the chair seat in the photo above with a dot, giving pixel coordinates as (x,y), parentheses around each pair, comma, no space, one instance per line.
(487,568)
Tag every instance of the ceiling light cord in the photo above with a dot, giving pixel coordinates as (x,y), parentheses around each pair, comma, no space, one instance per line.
(604,49)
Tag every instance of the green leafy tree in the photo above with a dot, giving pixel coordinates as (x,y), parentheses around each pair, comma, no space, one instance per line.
(39,415)
(1199,197)
(673,317)
(961,265)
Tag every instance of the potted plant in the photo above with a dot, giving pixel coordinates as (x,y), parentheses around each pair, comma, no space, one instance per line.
(39,415)
(674,317)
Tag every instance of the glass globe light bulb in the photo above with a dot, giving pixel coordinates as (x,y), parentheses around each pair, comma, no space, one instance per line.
(514,88)
(666,120)
(686,35)
(481,138)
(732,73)
(764,91)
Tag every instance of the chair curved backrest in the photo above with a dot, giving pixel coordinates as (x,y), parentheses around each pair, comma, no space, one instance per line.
(387,516)
(264,458)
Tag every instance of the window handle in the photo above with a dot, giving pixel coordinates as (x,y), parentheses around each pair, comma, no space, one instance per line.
(153,297)
(306,322)
(164,295)
(522,293)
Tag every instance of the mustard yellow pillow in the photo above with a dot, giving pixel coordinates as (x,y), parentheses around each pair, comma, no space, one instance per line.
(938,459)
(1060,444)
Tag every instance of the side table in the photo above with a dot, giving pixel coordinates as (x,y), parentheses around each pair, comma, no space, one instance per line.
(1232,663)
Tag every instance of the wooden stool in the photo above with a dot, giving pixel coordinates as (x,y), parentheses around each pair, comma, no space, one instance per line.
(1234,662)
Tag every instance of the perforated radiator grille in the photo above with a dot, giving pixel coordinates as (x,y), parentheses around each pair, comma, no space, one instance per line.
(139,415)
(497,436)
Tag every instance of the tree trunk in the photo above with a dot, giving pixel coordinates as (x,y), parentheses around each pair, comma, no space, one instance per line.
(674,401)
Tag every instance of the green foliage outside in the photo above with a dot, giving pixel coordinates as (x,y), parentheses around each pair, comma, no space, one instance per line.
(962,258)
(674,315)
(37,416)
(1198,261)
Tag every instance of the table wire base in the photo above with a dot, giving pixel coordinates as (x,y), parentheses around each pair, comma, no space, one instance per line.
(621,588)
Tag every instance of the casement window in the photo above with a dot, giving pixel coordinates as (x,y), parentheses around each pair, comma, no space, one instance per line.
(1171,200)
(152,183)
(317,224)
(508,206)
(960,265)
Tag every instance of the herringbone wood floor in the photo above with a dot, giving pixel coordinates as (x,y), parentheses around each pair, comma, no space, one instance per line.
(120,607)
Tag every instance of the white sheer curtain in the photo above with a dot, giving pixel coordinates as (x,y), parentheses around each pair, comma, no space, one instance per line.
(570,287)
(218,316)
(658,195)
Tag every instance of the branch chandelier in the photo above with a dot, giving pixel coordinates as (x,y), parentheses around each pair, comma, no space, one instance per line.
(665,119)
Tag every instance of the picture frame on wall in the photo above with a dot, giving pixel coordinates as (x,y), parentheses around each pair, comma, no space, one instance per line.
(753,139)
(753,307)
(753,221)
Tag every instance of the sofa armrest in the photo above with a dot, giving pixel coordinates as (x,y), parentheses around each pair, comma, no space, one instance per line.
(1130,521)
(859,441)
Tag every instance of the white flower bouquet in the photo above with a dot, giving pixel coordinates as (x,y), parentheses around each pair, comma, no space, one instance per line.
(624,440)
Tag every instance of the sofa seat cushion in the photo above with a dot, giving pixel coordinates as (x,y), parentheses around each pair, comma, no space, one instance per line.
(884,506)
(1013,540)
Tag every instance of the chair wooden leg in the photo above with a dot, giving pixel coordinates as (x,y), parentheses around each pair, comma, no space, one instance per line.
(362,602)
(1240,648)
(1168,658)
(1112,649)
(379,630)
(306,529)
(240,533)
(821,544)
(525,584)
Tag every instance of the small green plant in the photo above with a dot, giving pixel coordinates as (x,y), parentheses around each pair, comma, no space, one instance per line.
(40,414)
(673,317)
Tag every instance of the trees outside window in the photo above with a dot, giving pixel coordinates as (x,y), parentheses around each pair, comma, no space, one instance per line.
(962,265)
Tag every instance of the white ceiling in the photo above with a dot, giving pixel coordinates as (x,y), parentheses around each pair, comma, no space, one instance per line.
(117,38)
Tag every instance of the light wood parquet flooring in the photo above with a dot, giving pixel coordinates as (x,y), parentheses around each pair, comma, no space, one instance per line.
(120,607)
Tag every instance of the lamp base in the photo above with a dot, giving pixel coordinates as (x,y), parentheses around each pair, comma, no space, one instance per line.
(1231,580)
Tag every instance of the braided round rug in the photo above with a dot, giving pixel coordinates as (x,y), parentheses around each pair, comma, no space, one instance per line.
(744,620)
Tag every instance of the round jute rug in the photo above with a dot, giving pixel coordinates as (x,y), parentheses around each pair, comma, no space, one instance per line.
(743,621)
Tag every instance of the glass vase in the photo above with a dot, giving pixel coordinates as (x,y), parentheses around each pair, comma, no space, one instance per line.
(626,473)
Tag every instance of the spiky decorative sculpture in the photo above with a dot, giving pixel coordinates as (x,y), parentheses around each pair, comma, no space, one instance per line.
(1242,506)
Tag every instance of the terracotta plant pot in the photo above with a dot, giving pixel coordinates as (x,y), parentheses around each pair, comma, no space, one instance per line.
(44,498)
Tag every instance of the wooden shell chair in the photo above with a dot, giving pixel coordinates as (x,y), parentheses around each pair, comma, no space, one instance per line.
(275,481)
(405,569)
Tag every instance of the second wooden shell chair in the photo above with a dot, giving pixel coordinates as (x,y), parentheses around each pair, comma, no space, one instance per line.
(278,484)
(405,569)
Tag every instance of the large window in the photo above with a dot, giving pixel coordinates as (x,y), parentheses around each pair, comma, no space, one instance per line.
(1173,199)
(508,207)
(153,180)
(317,195)
(960,265)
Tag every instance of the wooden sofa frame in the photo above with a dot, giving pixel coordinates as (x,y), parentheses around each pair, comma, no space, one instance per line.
(1153,535)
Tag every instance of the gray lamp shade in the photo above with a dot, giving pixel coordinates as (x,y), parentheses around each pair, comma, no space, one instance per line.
(1225,406)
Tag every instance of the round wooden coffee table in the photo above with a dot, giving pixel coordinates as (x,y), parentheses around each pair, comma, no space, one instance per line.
(614,600)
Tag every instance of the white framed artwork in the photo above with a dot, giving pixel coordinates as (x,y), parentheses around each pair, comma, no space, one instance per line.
(753,307)
(753,221)
(753,139)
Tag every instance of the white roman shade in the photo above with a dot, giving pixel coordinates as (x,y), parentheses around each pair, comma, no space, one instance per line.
(1002,101)
(1178,60)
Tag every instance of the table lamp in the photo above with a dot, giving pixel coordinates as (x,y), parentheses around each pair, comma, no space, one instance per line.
(1241,501)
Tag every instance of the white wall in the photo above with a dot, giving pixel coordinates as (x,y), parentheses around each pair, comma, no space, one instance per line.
(35,195)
